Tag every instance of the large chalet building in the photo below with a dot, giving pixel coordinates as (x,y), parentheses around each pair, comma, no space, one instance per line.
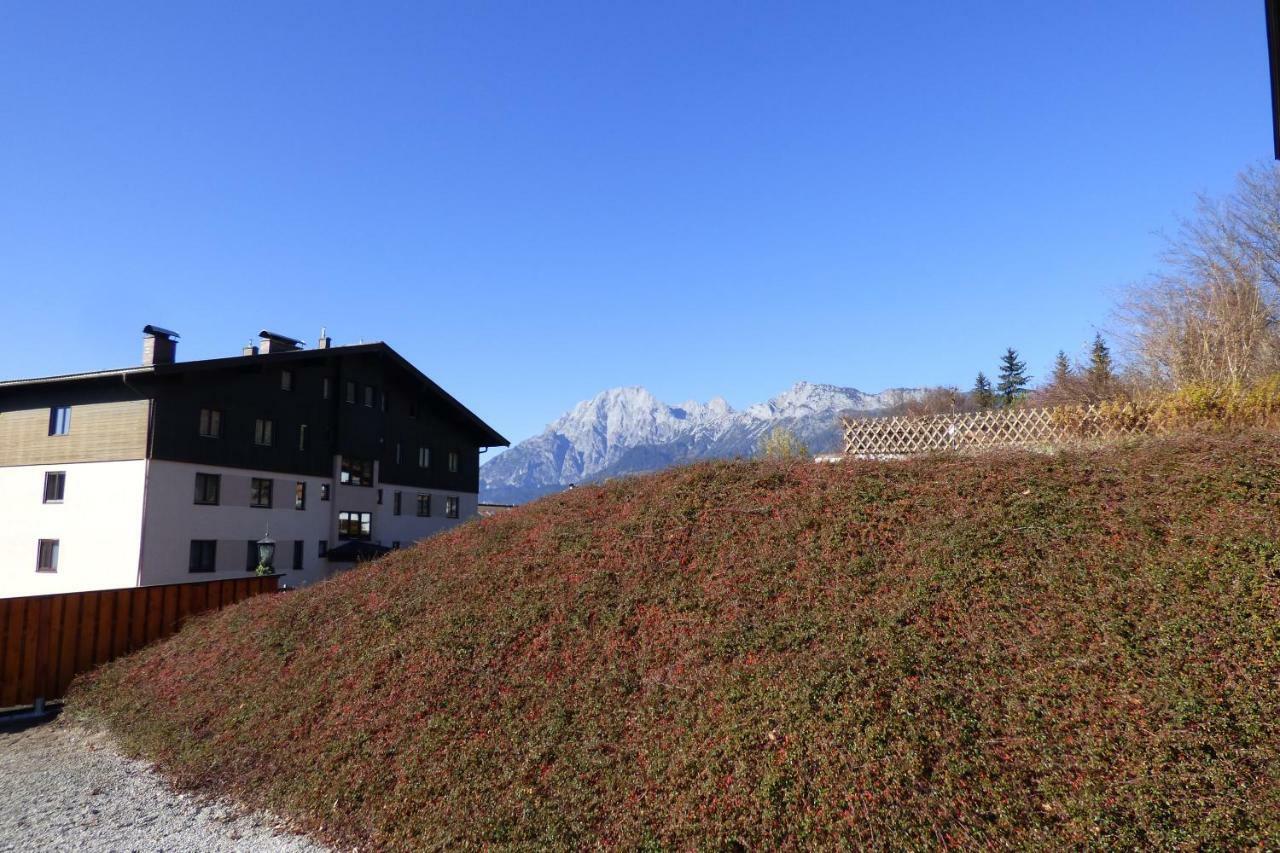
(173,471)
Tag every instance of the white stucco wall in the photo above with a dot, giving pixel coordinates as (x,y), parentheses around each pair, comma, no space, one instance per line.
(173,519)
(408,527)
(125,523)
(98,526)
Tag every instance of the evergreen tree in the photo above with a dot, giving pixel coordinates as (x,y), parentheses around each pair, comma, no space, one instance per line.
(1101,375)
(1061,370)
(1013,377)
(983,396)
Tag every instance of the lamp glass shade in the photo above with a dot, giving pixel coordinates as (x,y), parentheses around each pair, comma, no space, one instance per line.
(266,551)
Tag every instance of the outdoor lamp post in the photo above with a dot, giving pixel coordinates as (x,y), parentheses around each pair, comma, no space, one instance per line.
(266,553)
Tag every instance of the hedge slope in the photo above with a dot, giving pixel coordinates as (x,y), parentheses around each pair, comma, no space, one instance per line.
(1010,651)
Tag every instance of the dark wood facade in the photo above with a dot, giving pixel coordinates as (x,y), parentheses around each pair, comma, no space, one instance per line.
(394,406)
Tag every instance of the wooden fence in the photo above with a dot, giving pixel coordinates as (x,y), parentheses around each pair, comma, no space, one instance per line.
(872,437)
(46,640)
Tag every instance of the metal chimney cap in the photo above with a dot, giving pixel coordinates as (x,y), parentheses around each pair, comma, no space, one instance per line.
(159,332)
(279,338)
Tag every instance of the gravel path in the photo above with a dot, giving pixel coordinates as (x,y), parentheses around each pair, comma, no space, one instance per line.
(64,788)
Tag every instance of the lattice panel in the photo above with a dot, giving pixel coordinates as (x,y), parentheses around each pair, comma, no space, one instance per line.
(989,430)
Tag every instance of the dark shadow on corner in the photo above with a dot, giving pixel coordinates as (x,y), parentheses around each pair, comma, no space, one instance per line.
(21,719)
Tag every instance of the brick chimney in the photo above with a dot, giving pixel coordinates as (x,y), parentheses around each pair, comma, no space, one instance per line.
(159,346)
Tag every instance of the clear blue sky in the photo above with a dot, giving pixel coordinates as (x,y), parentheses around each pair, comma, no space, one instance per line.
(536,201)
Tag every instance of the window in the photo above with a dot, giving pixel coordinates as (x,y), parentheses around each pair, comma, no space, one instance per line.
(47,555)
(325,387)
(302,436)
(355,525)
(251,555)
(424,457)
(263,429)
(297,555)
(397,453)
(204,555)
(324,491)
(55,484)
(451,507)
(369,393)
(395,503)
(323,549)
(300,496)
(379,497)
(286,380)
(413,410)
(453,461)
(60,420)
(211,423)
(207,488)
(382,401)
(351,391)
(424,506)
(356,472)
(260,492)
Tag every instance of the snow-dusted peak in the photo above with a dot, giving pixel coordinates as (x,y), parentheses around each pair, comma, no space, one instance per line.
(806,399)
(627,429)
(719,406)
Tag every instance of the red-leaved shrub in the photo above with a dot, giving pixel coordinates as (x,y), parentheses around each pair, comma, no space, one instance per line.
(1008,651)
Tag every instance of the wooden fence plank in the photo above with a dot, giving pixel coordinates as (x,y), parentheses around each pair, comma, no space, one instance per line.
(199,599)
(30,641)
(54,630)
(169,616)
(5,607)
(66,666)
(12,652)
(104,642)
(122,602)
(138,618)
(44,625)
(90,604)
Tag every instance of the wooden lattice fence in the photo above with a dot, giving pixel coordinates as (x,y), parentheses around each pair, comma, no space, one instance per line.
(1041,428)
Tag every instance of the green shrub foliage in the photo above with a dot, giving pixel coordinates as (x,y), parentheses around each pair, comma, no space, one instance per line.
(1014,651)
(782,443)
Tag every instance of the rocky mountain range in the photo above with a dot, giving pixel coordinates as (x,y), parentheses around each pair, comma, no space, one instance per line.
(629,431)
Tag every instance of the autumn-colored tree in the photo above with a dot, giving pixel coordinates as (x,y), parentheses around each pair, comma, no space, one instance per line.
(1211,315)
(782,443)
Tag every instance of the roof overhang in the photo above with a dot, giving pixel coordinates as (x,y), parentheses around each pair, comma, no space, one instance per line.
(487,435)
(76,377)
